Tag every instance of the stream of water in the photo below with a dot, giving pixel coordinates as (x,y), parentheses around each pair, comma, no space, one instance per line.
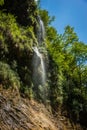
(41,65)
(39,69)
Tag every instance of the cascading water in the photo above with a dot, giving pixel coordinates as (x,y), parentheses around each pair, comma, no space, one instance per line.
(42,66)
(39,71)
(41,31)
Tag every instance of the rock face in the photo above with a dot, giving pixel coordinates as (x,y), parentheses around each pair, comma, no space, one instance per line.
(17,113)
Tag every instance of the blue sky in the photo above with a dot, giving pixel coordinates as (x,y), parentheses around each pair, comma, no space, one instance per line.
(68,12)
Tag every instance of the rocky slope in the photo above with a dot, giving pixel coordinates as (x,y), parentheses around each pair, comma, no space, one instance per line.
(18,113)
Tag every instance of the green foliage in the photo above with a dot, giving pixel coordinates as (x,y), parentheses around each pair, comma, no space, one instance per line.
(67,70)
(16,44)
(8,77)
(22,9)
(1,2)
(27,91)
(68,57)
(15,41)
(45,17)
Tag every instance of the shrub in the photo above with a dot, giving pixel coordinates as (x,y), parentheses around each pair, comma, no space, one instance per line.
(8,77)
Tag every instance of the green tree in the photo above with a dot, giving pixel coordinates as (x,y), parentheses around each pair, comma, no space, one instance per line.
(68,71)
(45,17)
(24,10)
(1,2)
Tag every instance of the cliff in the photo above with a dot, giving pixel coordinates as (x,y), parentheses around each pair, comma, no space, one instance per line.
(18,113)
(38,89)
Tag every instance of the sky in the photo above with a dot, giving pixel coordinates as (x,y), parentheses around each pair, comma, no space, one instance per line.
(68,12)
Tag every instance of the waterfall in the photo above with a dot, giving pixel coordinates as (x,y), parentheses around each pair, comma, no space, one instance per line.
(42,66)
(39,71)
(40,31)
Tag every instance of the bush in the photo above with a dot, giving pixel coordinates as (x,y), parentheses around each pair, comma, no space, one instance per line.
(22,9)
(16,51)
(8,77)
(1,2)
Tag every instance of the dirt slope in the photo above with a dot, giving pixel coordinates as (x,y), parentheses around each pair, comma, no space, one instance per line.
(17,113)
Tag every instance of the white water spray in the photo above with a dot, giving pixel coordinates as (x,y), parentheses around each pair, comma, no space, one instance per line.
(42,66)
(41,31)
(36,0)
(39,71)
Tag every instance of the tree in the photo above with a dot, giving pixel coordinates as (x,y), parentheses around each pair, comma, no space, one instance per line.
(68,71)
(24,10)
(45,17)
(1,2)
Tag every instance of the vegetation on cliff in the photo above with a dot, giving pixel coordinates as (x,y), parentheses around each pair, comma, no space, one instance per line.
(67,69)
